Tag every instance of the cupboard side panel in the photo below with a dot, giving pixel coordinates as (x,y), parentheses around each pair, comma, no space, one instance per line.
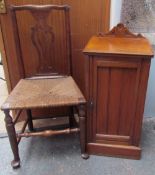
(144,75)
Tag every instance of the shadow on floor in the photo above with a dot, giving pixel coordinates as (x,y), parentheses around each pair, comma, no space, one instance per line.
(60,155)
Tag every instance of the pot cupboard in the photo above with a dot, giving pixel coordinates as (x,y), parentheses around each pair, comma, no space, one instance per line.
(117,70)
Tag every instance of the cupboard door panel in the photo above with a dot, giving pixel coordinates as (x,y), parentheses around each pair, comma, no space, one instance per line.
(114,94)
(102,108)
(115,87)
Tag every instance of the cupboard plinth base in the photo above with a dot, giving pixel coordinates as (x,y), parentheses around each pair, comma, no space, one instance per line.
(130,152)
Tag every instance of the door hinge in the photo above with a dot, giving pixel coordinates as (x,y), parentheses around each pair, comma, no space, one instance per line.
(2,7)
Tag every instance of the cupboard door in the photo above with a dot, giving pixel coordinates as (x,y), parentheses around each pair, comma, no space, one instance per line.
(114,94)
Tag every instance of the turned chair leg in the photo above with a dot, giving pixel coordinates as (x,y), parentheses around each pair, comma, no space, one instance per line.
(82,122)
(13,139)
(72,121)
(30,122)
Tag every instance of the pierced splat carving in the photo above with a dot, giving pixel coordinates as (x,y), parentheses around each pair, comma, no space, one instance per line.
(43,39)
(121,31)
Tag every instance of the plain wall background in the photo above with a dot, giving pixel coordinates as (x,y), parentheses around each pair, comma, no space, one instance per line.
(150,98)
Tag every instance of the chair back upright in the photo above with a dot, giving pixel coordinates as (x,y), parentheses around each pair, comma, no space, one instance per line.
(46,48)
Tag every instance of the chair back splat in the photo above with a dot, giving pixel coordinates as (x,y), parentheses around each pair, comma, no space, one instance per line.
(52,47)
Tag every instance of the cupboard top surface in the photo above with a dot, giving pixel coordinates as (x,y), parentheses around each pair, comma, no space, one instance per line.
(118,45)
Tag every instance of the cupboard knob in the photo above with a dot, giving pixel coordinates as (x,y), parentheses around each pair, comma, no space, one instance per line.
(91,104)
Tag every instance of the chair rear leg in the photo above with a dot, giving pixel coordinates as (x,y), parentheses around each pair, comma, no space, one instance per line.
(30,122)
(13,139)
(82,122)
(72,121)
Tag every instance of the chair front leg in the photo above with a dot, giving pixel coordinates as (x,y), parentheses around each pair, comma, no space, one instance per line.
(12,138)
(82,122)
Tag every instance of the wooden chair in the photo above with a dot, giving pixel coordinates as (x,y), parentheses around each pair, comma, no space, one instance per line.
(49,87)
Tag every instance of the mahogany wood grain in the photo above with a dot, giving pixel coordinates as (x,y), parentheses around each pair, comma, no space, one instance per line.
(84,23)
(117,73)
(124,151)
(48,133)
(44,40)
(102,113)
(114,100)
(145,69)
(51,85)
(115,43)
(12,138)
